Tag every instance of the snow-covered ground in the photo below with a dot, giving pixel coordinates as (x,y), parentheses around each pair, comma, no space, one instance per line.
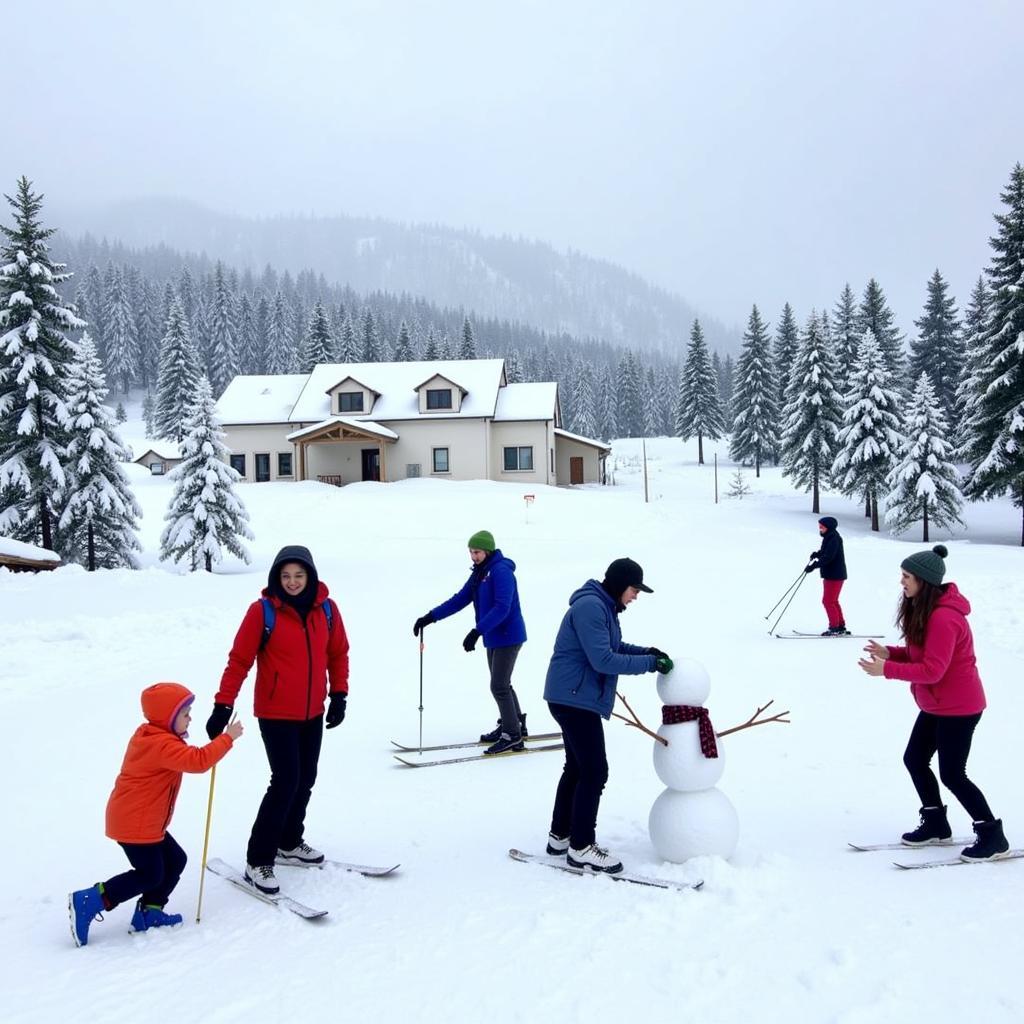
(794,928)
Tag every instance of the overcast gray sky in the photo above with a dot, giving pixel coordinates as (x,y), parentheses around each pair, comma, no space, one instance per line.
(734,152)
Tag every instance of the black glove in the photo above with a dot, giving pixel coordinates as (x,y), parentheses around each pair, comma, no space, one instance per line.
(217,722)
(656,652)
(471,638)
(421,623)
(810,568)
(336,710)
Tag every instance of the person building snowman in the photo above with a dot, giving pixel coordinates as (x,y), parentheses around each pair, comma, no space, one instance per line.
(580,687)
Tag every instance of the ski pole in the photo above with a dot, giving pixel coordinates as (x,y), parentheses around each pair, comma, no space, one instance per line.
(206,842)
(421,691)
(786,594)
(799,584)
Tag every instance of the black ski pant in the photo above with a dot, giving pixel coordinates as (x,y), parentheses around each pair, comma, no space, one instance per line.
(501,661)
(156,869)
(293,750)
(950,736)
(578,795)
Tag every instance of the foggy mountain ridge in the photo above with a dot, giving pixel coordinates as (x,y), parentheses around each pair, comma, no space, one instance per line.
(501,277)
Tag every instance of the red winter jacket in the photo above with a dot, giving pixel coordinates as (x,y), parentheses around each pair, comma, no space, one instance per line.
(292,671)
(943,674)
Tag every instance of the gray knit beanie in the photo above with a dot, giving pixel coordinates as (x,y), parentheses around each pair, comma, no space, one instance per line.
(929,566)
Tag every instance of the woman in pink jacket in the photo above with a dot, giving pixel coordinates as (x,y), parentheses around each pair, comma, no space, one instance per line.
(938,662)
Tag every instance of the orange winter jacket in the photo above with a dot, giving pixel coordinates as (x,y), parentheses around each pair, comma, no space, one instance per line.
(142,803)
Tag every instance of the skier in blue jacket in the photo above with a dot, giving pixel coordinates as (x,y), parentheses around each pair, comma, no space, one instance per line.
(589,657)
(492,589)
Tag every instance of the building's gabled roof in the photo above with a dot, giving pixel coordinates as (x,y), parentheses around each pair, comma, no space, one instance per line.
(599,445)
(534,401)
(168,450)
(396,384)
(434,376)
(348,376)
(262,399)
(367,427)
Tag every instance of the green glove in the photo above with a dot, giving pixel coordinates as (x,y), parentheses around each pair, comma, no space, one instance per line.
(664,664)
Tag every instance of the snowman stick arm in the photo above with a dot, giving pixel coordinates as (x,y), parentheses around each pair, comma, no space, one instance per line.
(755,719)
(635,722)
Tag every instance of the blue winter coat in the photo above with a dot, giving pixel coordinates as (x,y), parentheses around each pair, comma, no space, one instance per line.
(589,654)
(492,589)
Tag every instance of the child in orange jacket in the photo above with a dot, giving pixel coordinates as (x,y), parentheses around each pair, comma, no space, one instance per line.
(140,809)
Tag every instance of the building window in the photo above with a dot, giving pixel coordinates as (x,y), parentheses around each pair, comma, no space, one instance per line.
(238,464)
(440,460)
(156,468)
(284,463)
(350,401)
(519,459)
(439,398)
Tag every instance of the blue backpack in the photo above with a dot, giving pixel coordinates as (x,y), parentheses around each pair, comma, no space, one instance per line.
(270,617)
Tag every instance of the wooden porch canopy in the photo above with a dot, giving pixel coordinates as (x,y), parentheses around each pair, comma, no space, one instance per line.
(342,430)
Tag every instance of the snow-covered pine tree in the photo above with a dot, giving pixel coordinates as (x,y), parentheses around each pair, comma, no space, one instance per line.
(845,337)
(281,356)
(651,413)
(698,410)
(724,378)
(876,316)
(995,442)
(205,516)
(223,357)
(923,484)
(784,349)
(630,400)
(247,343)
(96,298)
(120,413)
(318,346)
(179,378)
(371,340)
(188,296)
(870,436)
(755,433)
(444,347)
(149,414)
(813,414)
(262,327)
(467,350)
(667,377)
(975,363)
(430,351)
(348,350)
(738,486)
(140,297)
(121,333)
(937,350)
(513,365)
(99,512)
(35,363)
(585,412)
(403,346)
(607,406)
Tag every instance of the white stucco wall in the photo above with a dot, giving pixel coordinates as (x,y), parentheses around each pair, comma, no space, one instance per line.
(516,434)
(566,449)
(250,439)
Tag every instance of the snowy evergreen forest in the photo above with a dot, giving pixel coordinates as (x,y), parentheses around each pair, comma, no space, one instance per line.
(838,397)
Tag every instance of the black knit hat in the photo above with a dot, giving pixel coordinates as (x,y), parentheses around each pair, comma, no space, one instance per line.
(929,566)
(829,522)
(622,573)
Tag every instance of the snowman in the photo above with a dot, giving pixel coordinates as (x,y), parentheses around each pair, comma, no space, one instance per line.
(692,817)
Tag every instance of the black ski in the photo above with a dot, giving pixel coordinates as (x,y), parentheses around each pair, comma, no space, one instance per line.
(478,757)
(237,879)
(952,862)
(619,876)
(472,743)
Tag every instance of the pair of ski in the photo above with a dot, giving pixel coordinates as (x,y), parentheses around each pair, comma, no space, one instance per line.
(795,634)
(224,870)
(560,864)
(946,862)
(530,748)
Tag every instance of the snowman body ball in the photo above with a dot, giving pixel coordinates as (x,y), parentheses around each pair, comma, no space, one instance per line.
(692,817)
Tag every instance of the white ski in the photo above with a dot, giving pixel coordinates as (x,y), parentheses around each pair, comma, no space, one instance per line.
(237,879)
(871,847)
(619,876)
(952,862)
(367,870)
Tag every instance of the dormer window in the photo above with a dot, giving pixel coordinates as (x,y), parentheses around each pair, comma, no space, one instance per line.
(350,401)
(439,398)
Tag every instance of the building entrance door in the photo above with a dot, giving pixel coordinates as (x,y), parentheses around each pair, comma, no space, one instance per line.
(371,464)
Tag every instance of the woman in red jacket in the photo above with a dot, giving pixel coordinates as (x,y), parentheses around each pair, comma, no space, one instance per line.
(295,635)
(938,662)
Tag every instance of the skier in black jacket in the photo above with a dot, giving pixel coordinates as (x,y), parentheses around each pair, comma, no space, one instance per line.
(831,561)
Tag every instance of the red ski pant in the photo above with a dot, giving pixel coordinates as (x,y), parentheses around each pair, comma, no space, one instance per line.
(830,599)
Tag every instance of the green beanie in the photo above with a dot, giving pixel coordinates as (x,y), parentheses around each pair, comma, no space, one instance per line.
(927,565)
(482,540)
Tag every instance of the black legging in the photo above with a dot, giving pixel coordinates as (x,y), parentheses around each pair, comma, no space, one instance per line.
(583,778)
(293,750)
(501,661)
(156,869)
(951,736)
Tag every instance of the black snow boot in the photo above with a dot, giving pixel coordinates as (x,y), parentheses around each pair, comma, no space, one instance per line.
(495,734)
(934,828)
(506,744)
(991,844)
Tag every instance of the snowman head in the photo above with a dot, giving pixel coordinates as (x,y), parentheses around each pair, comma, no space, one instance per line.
(687,683)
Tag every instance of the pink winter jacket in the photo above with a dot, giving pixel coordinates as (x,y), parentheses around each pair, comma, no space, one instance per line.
(943,675)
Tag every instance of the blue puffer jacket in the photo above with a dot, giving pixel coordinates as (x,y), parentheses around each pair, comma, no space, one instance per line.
(492,589)
(589,653)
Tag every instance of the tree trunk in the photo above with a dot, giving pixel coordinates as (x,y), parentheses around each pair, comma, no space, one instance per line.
(700,449)
(91,558)
(867,505)
(874,513)
(44,522)
(816,502)
(925,504)
(757,462)
(209,562)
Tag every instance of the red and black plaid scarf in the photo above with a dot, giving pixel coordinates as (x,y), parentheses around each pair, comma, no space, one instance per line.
(673,714)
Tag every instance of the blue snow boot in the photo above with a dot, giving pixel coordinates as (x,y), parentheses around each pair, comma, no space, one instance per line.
(151,916)
(84,907)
